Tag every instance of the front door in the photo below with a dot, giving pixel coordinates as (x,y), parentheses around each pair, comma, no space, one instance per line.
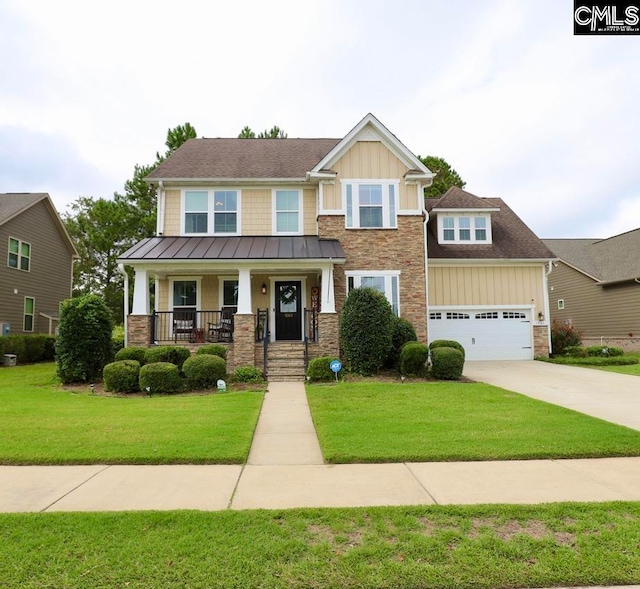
(288,310)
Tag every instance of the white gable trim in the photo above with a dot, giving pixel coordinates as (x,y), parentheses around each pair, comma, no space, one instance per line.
(371,129)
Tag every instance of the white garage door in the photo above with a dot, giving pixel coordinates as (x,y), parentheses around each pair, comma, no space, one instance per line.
(485,334)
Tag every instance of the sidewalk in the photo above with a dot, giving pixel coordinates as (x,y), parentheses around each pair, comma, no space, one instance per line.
(285,470)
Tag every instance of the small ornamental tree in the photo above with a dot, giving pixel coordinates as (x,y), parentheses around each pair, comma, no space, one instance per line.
(563,335)
(83,346)
(366,328)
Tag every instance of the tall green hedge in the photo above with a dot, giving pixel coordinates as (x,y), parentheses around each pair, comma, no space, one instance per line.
(28,348)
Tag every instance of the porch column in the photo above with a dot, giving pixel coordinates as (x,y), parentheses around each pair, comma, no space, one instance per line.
(141,293)
(244,292)
(328,302)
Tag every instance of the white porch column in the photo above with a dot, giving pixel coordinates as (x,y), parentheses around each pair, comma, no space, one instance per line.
(328,301)
(244,292)
(141,293)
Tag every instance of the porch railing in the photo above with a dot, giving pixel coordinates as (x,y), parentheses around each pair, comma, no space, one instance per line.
(192,326)
(262,335)
(310,331)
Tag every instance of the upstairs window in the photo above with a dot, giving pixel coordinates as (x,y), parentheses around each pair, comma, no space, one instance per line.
(371,204)
(287,211)
(225,211)
(19,255)
(210,212)
(196,211)
(386,282)
(465,228)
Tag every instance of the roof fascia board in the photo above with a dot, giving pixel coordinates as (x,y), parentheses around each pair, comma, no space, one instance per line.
(389,140)
(488,261)
(573,267)
(213,180)
(226,264)
(467,209)
(617,281)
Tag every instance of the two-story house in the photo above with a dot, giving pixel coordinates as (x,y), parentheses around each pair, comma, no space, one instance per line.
(36,263)
(260,240)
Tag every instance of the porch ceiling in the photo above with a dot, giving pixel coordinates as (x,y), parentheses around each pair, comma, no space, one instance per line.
(300,248)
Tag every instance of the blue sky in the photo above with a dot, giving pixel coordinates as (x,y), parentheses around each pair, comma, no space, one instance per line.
(503,90)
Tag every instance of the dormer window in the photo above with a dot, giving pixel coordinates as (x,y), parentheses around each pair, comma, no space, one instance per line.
(464,228)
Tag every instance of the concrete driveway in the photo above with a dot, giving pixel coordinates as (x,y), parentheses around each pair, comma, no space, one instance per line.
(609,396)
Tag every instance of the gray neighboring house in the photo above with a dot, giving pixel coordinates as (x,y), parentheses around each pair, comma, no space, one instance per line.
(596,286)
(36,264)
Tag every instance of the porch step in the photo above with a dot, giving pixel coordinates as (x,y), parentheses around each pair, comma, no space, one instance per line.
(285,361)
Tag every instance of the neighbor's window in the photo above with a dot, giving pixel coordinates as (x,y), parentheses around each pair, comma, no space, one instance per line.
(386,283)
(371,205)
(287,211)
(29,307)
(560,304)
(225,211)
(464,229)
(196,211)
(19,254)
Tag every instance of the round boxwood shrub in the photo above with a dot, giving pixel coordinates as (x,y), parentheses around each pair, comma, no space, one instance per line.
(213,350)
(447,363)
(576,352)
(248,374)
(83,345)
(447,343)
(319,370)
(604,351)
(121,376)
(413,358)
(173,354)
(401,332)
(365,330)
(160,377)
(132,353)
(203,371)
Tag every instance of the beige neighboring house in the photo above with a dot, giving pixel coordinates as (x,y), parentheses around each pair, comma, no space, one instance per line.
(36,264)
(260,240)
(596,286)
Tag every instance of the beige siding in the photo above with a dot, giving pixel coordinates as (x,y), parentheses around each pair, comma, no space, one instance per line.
(310,210)
(596,311)
(172,212)
(49,278)
(256,211)
(162,302)
(332,199)
(486,285)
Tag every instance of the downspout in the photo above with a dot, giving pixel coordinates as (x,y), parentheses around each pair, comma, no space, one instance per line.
(161,209)
(126,302)
(421,188)
(547,310)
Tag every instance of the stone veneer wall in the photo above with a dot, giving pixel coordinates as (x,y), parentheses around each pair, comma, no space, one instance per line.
(384,249)
(540,340)
(628,344)
(139,330)
(328,335)
(244,342)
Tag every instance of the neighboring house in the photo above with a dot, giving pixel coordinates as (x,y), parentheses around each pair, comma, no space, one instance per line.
(260,240)
(596,287)
(36,263)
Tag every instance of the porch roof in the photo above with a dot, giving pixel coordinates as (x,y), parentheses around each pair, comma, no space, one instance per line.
(302,247)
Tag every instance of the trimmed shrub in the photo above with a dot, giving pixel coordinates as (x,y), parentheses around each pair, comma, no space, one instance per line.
(604,351)
(448,343)
(204,370)
(14,344)
(365,330)
(319,370)
(121,376)
(563,335)
(447,363)
(160,377)
(576,351)
(413,359)
(248,374)
(173,354)
(83,345)
(593,360)
(132,353)
(401,332)
(49,348)
(28,348)
(213,350)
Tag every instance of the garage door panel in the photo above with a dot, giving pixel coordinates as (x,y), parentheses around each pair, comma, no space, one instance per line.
(487,334)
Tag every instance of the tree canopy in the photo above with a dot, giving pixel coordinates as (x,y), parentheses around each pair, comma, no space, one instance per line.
(274,133)
(446,176)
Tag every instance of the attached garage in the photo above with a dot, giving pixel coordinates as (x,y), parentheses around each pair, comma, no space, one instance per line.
(485,333)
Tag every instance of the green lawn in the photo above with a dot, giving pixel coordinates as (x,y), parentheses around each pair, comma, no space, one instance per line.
(475,547)
(440,421)
(44,424)
(633,369)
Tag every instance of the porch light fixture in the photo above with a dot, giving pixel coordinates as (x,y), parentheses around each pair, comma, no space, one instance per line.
(263,288)
(541,316)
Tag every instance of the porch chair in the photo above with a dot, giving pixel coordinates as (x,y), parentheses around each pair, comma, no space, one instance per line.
(183,327)
(223,330)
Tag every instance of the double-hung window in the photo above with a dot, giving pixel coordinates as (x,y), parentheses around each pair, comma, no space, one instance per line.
(287,214)
(212,212)
(196,211)
(225,211)
(464,228)
(29,312)
(19,255)
(371,204)
(386,282)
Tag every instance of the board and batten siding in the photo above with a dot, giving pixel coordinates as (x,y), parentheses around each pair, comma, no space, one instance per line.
(49,280)
(596,311)
(172,212)
(486,285)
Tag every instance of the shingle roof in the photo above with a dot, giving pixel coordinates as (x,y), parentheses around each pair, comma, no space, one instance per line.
(511,238)
(12,204)
(615,259)
(235,248)
(244,158)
